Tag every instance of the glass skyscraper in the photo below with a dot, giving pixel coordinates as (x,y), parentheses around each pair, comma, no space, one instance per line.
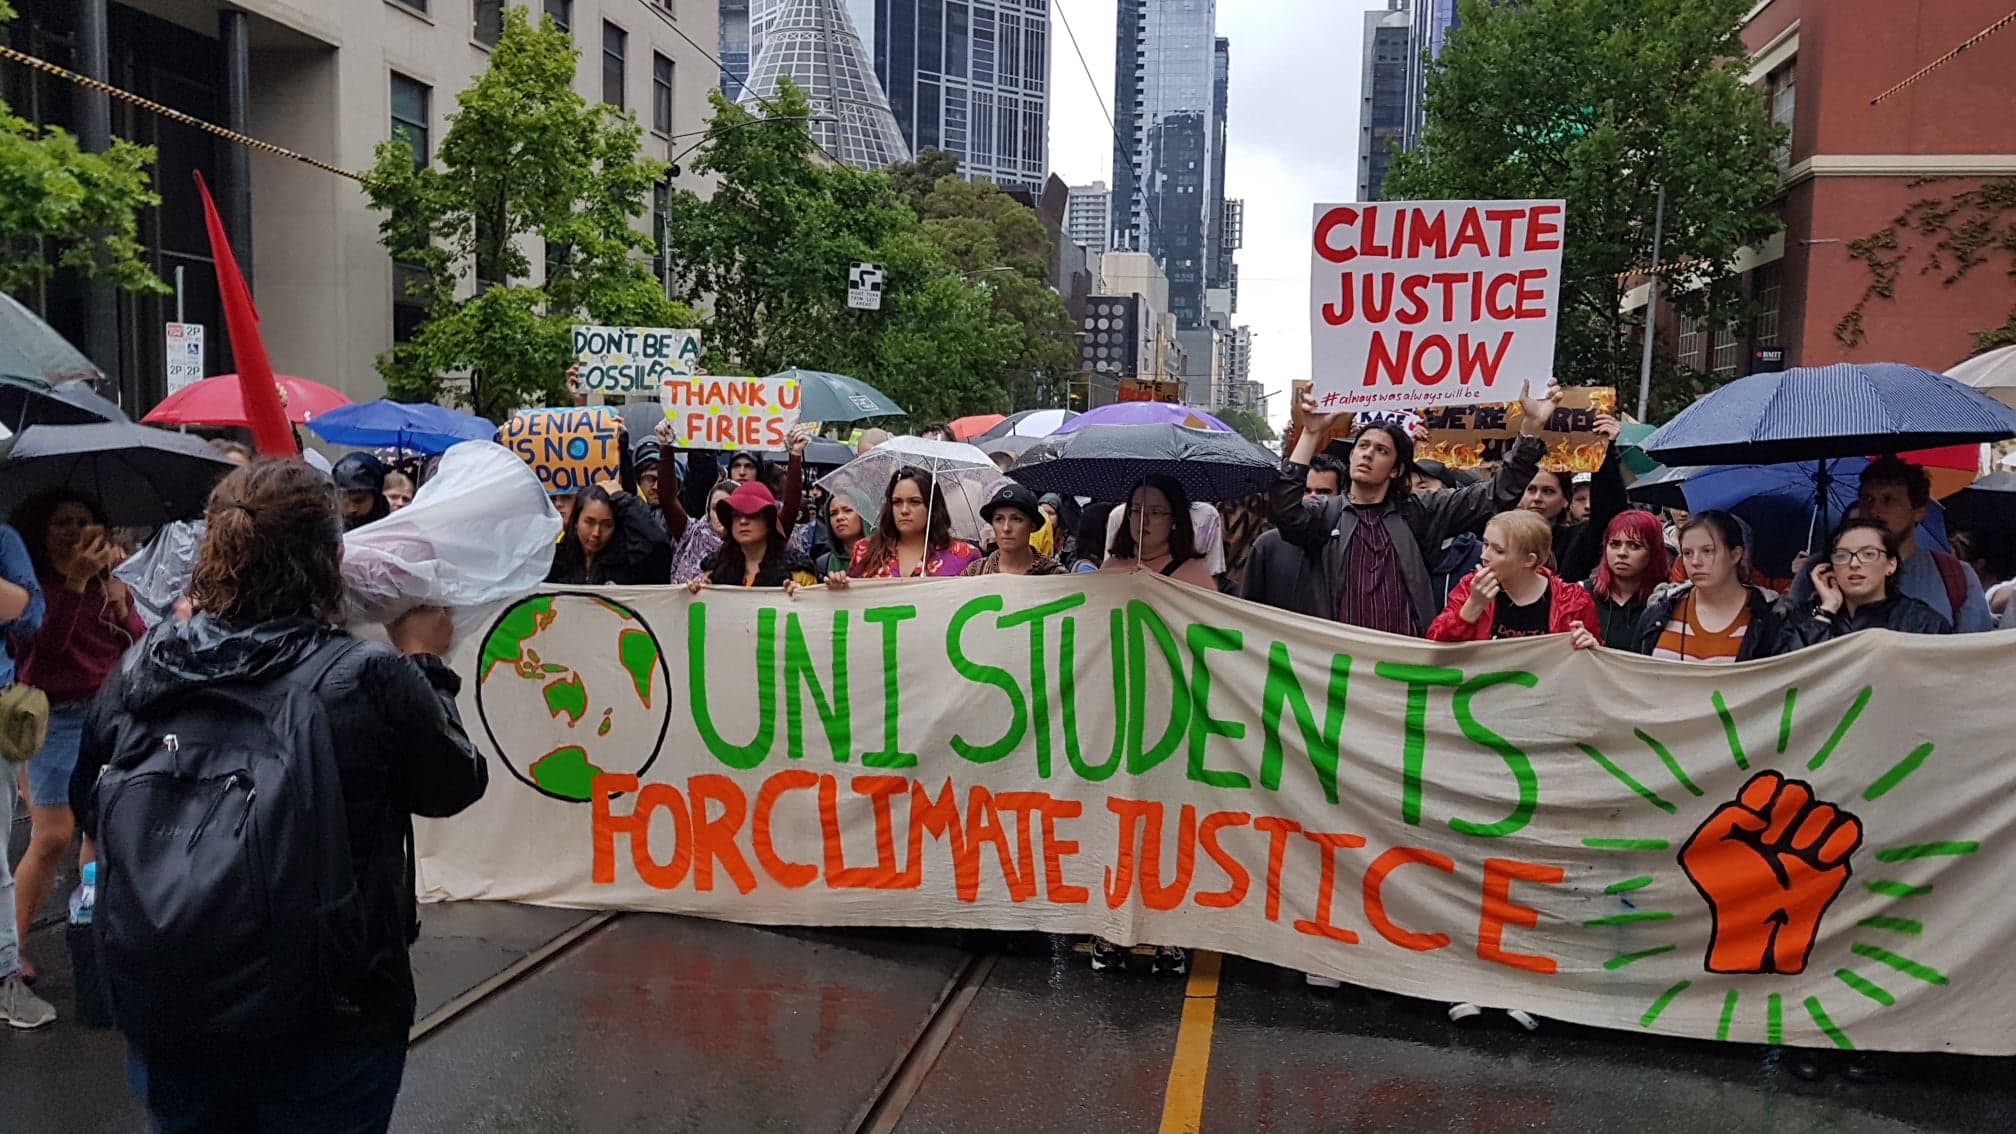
(1166,68)
(972,77)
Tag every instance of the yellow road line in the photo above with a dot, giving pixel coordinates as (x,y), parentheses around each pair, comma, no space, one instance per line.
(1183,1100)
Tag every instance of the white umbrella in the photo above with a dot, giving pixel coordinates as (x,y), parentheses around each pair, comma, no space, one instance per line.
(1993,373)
(960,473)
(1028,423)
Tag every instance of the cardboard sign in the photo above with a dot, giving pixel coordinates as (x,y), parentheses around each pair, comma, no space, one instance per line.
(633,360)
(1148,390)
(570,449)
(1429,303)
(731,413)
(1693,852)
(1465,437)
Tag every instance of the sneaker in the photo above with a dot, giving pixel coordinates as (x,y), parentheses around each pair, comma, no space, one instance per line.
(1171,961)
(1318,980)
(1106,955)
(21,1008)
(1464,1011)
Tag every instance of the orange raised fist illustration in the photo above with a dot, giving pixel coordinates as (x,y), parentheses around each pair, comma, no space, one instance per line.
(1770,864)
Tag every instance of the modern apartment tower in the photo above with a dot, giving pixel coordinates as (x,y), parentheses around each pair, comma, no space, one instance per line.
(1088,217)
(971,77)
(1165,86)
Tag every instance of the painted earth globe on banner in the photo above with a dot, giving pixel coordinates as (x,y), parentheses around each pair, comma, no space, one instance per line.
(571,686)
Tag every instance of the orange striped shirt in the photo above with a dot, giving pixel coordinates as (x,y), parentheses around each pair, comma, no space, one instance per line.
(1685,639)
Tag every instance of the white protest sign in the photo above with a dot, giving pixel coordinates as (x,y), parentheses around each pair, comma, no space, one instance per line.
(1425,303)
(185,355)
(633,360)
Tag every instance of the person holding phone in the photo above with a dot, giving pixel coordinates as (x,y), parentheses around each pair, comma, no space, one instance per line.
(87,624)
(1855,588)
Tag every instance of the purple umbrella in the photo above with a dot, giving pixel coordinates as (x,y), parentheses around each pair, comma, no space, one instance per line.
(1144,413)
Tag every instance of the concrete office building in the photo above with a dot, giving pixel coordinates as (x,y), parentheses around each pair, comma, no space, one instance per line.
(326,79)
(1165,83)
(971,77)
(1089,222)
(1383,109)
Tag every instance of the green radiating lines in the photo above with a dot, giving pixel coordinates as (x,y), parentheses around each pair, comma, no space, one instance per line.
(1925,850)
(1826,1025)
(1622,959)
(1627,779)
(1628,885)
(1774,1021)
(1785,719)
(1864,986)
(1894,924)
(1895,776)
(1841,730)
(1629,918)
(1897,889)
(1728,1014)
(1904,965)
(1660,1004)
(1625,844)
(1665,755)
(1729,731)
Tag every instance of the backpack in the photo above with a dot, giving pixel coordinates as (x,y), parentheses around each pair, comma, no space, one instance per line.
(1955,579)
(227,900)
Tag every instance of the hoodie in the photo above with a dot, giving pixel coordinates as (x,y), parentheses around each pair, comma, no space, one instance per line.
(400,748)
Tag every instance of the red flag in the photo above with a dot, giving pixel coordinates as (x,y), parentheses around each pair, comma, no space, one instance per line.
(271,434)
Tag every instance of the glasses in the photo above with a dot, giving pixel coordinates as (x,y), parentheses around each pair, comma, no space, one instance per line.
(1865,557)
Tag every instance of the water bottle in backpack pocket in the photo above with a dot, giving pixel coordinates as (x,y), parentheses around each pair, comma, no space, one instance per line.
(229,901)
(94,1000)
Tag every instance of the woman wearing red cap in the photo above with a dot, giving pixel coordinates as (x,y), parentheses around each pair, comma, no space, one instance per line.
(756,553)
(1015,515)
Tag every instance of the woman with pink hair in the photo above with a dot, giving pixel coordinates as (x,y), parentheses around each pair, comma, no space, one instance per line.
(1635,561)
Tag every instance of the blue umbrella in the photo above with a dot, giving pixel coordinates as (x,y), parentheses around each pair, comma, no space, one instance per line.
(1789,507)
(1818,413)
(422,428)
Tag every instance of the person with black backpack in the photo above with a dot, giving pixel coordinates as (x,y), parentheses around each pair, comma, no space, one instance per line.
(251,775)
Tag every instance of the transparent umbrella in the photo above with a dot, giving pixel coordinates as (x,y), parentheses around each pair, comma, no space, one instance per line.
(962,475)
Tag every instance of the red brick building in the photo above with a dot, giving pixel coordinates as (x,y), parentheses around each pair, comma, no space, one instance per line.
(1852,167)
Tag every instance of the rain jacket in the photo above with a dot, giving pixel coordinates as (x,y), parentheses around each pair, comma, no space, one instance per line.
(639,555)
(1807,627)
(400,752)
(1760,641)
(1417,523)
(1567,604)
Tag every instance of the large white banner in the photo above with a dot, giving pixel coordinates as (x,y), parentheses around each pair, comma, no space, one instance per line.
(1432,303)
(1811,850)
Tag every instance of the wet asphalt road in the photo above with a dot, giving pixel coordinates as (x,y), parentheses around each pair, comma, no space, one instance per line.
(651,1023)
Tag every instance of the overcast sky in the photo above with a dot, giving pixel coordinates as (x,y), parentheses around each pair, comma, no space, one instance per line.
(1294,131)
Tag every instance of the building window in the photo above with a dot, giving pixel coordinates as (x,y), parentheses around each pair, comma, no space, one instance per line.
(614,41)
(409,311)
(409,116)
(661,94)
(1766,286)
(416,5)
(562,14)
(1784,100)
(488,21)
(1690,342)
(1726,359)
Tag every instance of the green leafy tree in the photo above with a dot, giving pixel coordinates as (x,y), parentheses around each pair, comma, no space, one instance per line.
(914,180)
(81,206)
(767,253)
(1601,102)
(526,163)
(1246,424)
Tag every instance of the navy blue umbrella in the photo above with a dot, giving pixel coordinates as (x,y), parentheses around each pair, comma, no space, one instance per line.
(421,428)
(1823,412)
(1105,462)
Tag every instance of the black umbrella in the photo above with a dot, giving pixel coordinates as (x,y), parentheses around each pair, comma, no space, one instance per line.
(1664,487)
(142,476)
(31,401)
(1105,462)
(1989,504)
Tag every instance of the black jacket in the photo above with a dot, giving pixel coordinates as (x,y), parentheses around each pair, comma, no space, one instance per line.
(1578,548)
(1282,575)
(1418,524)
(400,751)
(1806,626)
(640,554)
(1759,641)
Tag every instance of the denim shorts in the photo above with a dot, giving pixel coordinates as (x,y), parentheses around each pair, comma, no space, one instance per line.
(49,771)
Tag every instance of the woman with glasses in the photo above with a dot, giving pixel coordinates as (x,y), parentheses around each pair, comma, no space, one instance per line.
(1855,588)
(1157,535)
(1715,617)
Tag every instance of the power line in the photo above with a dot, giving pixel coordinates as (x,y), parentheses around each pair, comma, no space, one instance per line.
(1121,144)
(1977,37)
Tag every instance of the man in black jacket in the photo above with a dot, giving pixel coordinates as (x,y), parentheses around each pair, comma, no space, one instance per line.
(1280,574)
(1373,542)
